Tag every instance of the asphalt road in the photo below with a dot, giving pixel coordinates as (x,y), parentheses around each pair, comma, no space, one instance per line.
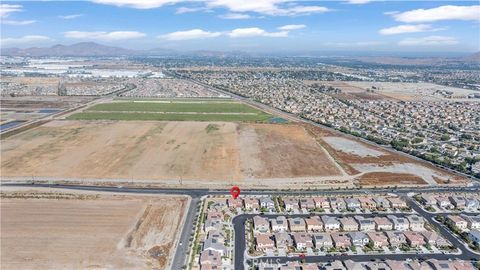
(179,259)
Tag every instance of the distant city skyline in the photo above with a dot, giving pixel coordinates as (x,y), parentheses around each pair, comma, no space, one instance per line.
(246,25)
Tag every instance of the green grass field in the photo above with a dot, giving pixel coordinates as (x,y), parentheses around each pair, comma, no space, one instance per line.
(174,111)
(205,107)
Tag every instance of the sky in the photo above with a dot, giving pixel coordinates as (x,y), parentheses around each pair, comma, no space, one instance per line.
(246,25)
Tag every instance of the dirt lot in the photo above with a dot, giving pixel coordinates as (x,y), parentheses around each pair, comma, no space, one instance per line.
(377,165)
(110,149)
(283,151)
(389,179)
(217,151)
(73,231)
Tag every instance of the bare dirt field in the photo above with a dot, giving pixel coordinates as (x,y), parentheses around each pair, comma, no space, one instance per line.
(151,150)
(58,230)
(376,165)
(115,149)
(284,151)
(389,179)
(352,147)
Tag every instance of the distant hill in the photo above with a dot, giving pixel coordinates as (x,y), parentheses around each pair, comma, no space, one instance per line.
(78,49)
(475,57)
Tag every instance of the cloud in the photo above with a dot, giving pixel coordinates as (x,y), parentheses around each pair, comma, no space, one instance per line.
(235,16)
(182,10)
(190,34)
(6,9)
(29,39)
(465,13)
(408,28)
(13,22)
(266,7)
(70,17)
(429,41)
(358,2)
(104,36)
(290,27)
(140,4)
(255,32)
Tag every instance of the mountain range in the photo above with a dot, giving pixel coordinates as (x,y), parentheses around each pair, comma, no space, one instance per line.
(85,49)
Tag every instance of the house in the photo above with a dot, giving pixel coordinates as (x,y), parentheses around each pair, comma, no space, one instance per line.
(307,203)
(210,259)
(215,245)
(414,239)
(396,238)
(261,224)
(335,265)
(440,265)
(291,266)
(463,265)
(215,215)
(213,225)
(309,266)
(417,223)
(428,199)
(367,203)
(399,223)
(217,205)
(376,266)
(279,224)
(474,236)
(381,202)
(267,203)
(291,204)
(217,235)
(341,240)
(322,240)
(234,203)
(348,224)
(267,266)
(337,203)
(457,222)
(471,204)
(351,265)
(330,223)
(416,265)
(321,203)
(283,240)
(365,224)
(264,242)
(383,224)
(444,202)
(458,202)
(398,203)
(378,239)
(397,265)
(473,222)
(251,203)
(352,204)
(432,238)
(359,239)
(314,224)
(302,240)
(296,224)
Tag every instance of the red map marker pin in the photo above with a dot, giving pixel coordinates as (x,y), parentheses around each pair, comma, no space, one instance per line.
(235,191)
